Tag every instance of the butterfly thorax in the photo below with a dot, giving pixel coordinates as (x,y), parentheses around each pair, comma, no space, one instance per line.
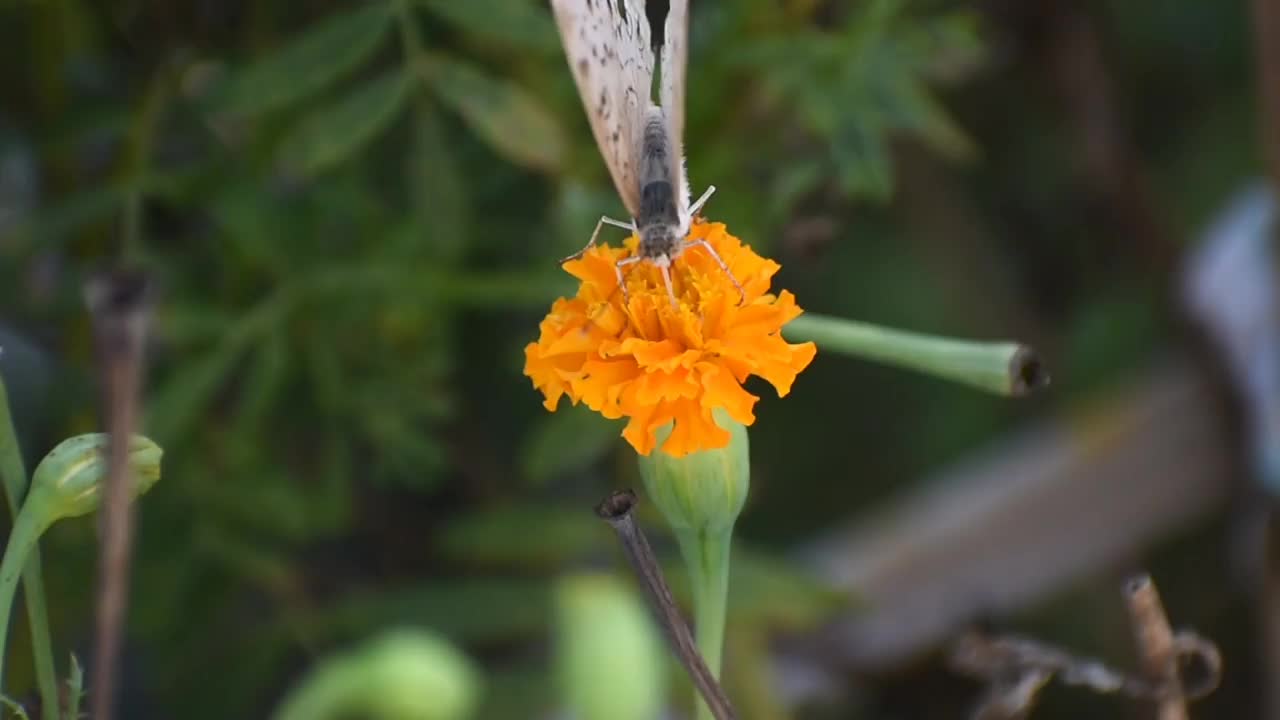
(659,224)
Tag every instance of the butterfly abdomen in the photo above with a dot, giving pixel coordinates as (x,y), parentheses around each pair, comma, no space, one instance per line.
(655,149)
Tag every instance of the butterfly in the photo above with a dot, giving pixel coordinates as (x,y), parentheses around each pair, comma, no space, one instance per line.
(607,44)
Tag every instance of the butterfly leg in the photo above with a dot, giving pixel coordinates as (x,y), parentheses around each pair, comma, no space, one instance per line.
(604,220)
(716,256)
(666,279)
(697,204)
(622,285)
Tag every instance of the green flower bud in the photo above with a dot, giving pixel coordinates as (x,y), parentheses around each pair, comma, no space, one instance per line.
(415,675)
(68,481)
(702,491)
(701,495)
(404,674)
(610,657)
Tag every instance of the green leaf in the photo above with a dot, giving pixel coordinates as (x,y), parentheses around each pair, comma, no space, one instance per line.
(514,22)
(926,116)
(330,134)
(863,160)
(310,61)
(242,554)
(569,439)
(465,609)
(525,690)
(511,120)
(180,401)
(524,534)
(792,183)
(269,505)
(56,222)
(769,591)
(947,48)
(268,371)
(437,186)
(18,711)
(251,223)
(404,455)
(857,85)
(182,324)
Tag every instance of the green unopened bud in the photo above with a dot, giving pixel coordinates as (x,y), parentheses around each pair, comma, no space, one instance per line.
(609,655)
(414,675)
(705,490)
(68,481)
(403,675)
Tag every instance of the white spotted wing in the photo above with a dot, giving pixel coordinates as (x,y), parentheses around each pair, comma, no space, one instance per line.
(608,48)
(675,54)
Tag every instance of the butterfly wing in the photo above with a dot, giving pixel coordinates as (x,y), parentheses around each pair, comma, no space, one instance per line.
(608,48)
(675,53)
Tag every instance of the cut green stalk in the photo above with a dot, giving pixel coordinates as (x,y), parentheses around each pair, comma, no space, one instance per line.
(1003,368)
(14,477)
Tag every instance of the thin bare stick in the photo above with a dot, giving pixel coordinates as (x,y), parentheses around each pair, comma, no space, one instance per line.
(1157,650)
(1016,668)
(616,510)
(120,305)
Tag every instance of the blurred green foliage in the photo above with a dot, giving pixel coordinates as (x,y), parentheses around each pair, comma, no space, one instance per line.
(355,208)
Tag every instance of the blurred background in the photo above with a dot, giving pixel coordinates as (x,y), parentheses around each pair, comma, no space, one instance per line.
(353,213)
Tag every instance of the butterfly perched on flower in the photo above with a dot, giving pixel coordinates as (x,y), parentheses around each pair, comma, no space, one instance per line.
(608,45)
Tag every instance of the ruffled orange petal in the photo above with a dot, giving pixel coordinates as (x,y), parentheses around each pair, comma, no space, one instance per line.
(639,356)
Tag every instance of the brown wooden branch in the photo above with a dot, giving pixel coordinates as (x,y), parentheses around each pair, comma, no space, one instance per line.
(120,306)
(1015,668)
(616,510)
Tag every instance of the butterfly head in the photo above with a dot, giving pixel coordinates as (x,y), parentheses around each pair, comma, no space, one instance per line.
(660,241)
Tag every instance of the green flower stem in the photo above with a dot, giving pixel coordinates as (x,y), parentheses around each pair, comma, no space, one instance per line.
(706,553)
(1004,368)
(27,528)
(14,477)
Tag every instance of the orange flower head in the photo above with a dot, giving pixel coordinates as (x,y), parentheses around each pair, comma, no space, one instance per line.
(642,357)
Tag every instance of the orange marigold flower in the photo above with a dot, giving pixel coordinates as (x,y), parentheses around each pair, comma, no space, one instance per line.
(654,363)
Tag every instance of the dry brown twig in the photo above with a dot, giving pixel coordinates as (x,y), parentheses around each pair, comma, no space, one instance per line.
(1017,668)
(616,510)
(120,305)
